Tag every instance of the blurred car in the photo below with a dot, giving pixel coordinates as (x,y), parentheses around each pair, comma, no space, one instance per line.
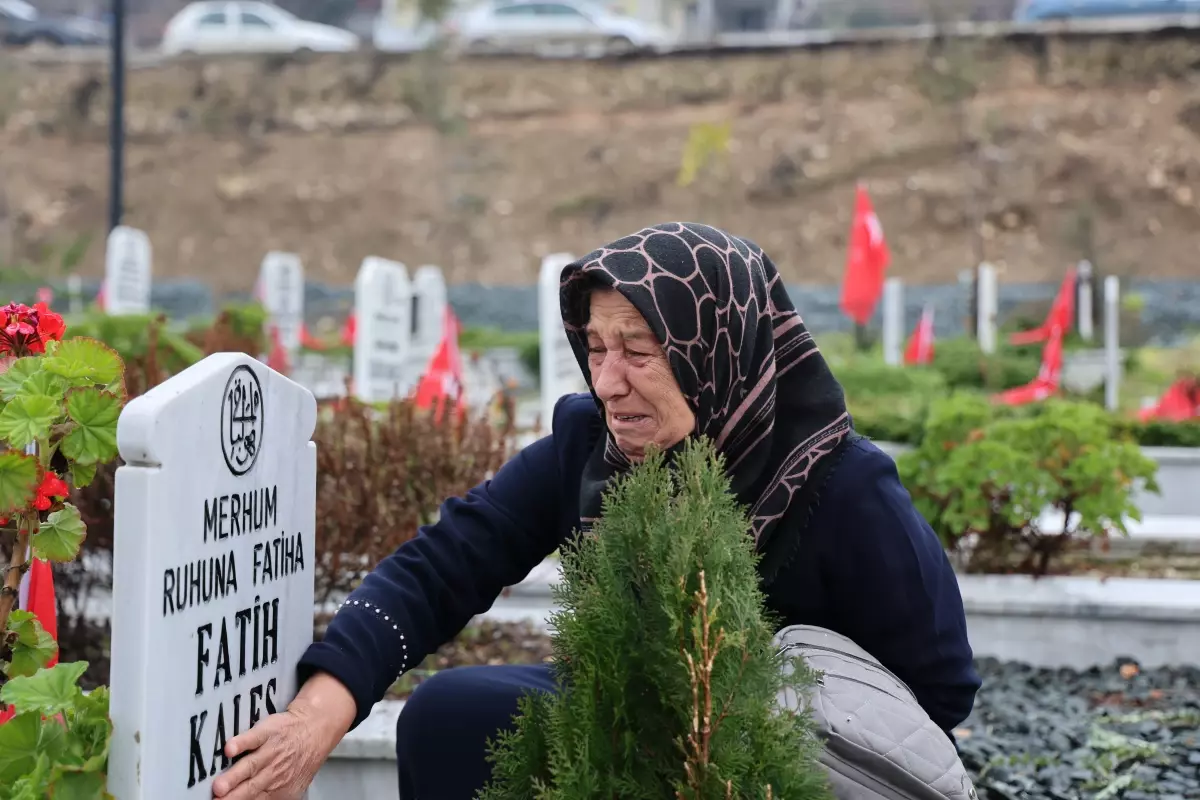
(21,25)
(546,27)
(249,26)
(1038,10)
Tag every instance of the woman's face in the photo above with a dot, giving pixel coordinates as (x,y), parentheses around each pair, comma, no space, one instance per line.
(632,378)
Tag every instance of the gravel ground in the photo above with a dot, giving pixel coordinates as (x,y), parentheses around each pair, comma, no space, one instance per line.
(1109,733)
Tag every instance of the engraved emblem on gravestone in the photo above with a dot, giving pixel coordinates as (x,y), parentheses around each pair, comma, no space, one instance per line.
(242,420)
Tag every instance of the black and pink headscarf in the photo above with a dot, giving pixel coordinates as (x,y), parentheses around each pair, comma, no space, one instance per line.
(749,369)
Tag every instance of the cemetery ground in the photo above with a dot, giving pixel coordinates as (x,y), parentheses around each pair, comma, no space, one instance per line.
(1113,728)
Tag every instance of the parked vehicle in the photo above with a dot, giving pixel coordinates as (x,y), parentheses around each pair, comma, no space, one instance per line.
(21,25)
(249,26)
(550,27)
(1039,10)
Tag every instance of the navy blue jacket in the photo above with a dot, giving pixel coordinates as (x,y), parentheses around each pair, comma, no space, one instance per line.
(870,568)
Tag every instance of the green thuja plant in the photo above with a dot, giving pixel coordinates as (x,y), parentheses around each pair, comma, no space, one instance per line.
(59,404)
(668,679)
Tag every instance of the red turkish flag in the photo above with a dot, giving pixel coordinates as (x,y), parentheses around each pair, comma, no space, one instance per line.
(443,378)
(277,358)
(40,599)
(1049,375)
(866,261)
(308,341)
(1062,314)
(920,345)
(1181,402)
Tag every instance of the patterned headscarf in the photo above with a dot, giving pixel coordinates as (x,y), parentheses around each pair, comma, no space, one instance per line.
(750,370)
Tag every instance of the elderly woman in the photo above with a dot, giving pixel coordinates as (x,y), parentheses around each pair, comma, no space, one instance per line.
(680,329)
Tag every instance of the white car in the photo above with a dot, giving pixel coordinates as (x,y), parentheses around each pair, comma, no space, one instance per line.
(548,27)
(248,26)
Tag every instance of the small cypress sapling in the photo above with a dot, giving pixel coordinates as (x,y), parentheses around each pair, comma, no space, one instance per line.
(663,649)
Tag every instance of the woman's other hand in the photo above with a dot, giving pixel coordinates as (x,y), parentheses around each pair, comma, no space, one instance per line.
(282,753)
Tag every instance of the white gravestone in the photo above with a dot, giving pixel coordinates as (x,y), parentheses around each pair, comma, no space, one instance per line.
(383,338)
(281,290)
(212,570)
(429,307)
(988,300)
(127,266)
(560,373)
(893,322)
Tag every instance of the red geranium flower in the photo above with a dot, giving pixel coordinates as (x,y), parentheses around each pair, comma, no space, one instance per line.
(19,331)
(52,487)
(50,326)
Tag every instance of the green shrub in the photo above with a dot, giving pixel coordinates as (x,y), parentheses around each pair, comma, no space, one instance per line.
(888,403)
(135,336)
(886,427)
(983,475)
(668,676)
(1163,433)
(964,366)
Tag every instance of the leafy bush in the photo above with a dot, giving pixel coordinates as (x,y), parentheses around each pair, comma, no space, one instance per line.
(983,477)
(668,677)
(883,426)
(141,340)
(964,366)
(381,474)
(528,344)
(888,403)
(59,404)
(1163,433)
(237,328)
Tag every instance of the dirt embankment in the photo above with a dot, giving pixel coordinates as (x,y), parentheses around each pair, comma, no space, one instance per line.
(1029,154)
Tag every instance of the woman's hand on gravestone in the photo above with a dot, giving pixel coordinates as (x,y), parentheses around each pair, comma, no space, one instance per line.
(280,755)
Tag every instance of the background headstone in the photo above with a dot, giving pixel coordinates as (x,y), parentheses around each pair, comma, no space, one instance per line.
(560,373)
(281,291)
(383,337)
(893,321)
(127,271)
(429,309)
(212,569)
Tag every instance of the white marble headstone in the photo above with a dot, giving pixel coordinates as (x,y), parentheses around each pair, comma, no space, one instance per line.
(281,288)
(429,309)
(127,271)
(383,338)
(212,570)
(560,373)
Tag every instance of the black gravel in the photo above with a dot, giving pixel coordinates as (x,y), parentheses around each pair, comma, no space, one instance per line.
(1108,733)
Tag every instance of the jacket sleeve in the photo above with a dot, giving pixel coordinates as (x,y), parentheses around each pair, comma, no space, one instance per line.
(893,589)
(426,592)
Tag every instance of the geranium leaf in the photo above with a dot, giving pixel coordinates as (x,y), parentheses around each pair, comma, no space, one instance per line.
(18,479)
(93,439)
(33,648)
(49,692)
(18,742)
(33,785)
(27,418)
(84,361)
(16,374)
(79,786)
(59,537)
(82,474)
(43,382)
